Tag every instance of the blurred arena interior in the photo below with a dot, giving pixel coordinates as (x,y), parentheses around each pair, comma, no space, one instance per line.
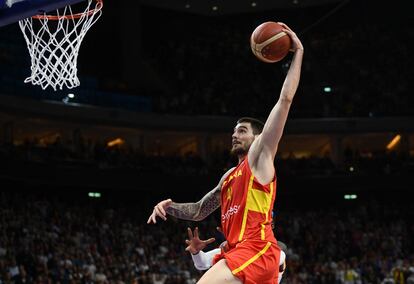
(162,85)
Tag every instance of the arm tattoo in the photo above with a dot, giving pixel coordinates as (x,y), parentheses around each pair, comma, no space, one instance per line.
(196,211)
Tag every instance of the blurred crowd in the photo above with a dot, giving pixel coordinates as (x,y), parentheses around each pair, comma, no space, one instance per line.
(214,72)
(52,238)
(87,153)
(368,243)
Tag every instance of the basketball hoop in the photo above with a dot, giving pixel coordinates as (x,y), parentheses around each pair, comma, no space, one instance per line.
(54,42)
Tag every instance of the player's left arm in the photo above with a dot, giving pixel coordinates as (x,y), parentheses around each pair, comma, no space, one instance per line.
(264,148)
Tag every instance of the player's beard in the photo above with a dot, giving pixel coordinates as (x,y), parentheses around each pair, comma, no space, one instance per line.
(240,150)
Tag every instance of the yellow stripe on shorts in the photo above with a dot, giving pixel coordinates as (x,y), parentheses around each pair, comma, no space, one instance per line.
(256,256)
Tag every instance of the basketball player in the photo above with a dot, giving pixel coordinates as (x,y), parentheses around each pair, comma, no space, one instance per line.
(246,193)
(204,260)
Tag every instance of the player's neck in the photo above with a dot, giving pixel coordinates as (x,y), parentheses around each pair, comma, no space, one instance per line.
(241,158)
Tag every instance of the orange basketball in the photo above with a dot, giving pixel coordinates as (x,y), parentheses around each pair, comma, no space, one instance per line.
(269,43)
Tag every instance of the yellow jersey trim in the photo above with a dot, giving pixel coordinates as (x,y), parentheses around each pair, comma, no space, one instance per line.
(257,201)
(246,210)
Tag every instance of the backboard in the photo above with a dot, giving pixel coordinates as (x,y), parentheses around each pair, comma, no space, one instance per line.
(12,11)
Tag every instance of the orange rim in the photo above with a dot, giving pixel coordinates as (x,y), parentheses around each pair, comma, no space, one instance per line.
(99,5)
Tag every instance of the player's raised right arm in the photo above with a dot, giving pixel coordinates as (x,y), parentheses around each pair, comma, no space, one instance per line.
(189,211)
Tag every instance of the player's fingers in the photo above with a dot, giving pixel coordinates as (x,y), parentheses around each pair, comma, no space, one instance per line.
(209,241)
(187,242)
(167,203)
(283,25)
(156,213)
(159,213)
(190,233)
(196,232)
(161,208)
(153,218)
(289,32)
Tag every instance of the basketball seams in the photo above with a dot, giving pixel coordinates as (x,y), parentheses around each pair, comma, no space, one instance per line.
(253,46)
(258,47)
(270,40)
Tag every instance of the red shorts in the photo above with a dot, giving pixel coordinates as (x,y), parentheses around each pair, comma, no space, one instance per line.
(253,261)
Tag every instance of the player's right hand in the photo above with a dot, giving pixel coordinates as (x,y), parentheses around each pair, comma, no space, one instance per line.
(296,43)
(159,211)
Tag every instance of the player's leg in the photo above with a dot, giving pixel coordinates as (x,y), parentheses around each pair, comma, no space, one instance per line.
(219,273)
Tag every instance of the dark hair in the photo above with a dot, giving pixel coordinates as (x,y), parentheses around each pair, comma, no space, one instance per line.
(282,246)
(257,125)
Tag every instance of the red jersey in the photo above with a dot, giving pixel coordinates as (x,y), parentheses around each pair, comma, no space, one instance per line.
(246,206)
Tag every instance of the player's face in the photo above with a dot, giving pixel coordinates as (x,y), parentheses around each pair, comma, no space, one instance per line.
(242,138)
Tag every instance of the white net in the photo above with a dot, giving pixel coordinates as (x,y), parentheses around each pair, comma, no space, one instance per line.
(54,43)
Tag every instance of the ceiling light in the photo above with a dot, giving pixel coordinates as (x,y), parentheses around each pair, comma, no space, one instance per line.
(394,142)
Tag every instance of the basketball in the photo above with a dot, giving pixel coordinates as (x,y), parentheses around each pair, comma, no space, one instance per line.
(269,43)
